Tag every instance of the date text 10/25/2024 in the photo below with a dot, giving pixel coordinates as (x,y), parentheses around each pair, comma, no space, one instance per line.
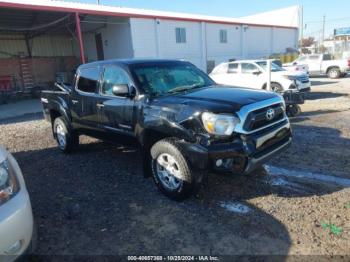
(173,258)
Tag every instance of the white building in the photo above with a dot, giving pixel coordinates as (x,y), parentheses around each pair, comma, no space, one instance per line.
(205,41)
(39,38)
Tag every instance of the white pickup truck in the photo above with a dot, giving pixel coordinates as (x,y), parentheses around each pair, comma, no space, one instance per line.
(320,64)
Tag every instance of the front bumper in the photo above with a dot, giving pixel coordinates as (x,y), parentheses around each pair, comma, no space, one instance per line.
(16,222)
(244,154)
(304,87)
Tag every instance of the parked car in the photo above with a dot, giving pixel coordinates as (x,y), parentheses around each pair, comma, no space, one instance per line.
(184,123)
(302,67)
(322,64)
(16,218)
(253,74)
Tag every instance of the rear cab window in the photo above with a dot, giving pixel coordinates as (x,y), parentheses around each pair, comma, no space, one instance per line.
(88,81)
(314,57)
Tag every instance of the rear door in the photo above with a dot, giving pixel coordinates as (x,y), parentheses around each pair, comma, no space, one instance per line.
(314,62)
(248,76)
(116,113)
(84,98)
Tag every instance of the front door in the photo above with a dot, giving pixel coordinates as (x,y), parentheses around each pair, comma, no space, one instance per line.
(99,47)
(249,76)
(115,112)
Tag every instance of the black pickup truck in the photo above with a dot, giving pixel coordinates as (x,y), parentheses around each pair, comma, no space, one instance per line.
(184,123)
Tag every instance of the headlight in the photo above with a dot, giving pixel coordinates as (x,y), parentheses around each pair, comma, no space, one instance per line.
(292,78)
(217,124)
(9,185)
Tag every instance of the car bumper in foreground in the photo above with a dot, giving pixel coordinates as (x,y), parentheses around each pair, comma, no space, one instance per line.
(243,154)
(16,224)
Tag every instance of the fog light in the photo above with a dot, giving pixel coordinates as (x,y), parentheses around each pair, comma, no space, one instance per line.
(218,162)
(14,248)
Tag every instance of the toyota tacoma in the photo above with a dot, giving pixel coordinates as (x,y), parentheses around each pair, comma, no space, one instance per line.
(184,123)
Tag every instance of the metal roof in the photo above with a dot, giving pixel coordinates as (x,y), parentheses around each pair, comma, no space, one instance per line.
(82,8)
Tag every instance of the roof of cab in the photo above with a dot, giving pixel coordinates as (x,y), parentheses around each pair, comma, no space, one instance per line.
(128,62)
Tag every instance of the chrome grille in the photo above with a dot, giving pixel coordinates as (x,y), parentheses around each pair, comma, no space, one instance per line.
(258,119)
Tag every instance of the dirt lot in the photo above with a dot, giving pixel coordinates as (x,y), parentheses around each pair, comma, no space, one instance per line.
(96,200)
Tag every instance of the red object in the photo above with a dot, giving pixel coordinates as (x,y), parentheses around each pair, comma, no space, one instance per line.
(348,62)
(5,83)
(106,13)
(80,38)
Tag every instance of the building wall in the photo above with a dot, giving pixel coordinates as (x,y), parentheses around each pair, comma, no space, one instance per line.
(143,33)
(222,52)
(116,39)
(258,42)
(168,48)
(284,38)
(12,45)
(156,38)
(42,69)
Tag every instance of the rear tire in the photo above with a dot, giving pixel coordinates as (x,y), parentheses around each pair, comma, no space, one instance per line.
(334,73)
(171,171)
(66,138)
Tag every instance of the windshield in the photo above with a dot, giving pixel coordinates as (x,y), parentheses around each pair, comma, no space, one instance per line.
(168,78)
(274,67)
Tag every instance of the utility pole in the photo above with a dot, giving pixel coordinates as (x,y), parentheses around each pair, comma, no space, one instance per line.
(98,2)
(323,31)
(301,28)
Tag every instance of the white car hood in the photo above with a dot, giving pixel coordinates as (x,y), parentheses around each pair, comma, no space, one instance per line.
(289,73)
(3,154)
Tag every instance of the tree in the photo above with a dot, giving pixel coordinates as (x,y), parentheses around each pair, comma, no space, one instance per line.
(307,42)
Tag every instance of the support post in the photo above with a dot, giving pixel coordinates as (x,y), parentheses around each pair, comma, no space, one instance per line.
(268,69)
(80,38)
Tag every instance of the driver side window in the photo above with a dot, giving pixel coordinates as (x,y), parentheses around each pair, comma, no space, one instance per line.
(248,68)
(112,76)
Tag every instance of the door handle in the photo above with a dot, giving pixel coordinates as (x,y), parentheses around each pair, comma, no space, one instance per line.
(100,105)
(75,102)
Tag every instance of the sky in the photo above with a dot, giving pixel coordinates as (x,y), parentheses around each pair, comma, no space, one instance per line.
(336,11)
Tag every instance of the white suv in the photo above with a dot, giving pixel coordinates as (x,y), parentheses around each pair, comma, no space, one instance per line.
(253,74)
(16,218)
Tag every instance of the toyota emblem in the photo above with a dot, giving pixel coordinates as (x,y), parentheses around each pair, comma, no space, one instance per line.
(270,114)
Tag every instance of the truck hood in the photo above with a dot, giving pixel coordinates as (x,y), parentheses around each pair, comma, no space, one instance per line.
(219,98)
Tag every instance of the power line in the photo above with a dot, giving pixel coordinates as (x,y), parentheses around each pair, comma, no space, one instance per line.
(328,20)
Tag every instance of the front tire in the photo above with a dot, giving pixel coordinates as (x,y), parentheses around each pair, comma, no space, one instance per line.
(66,138)
(275,87)
(333,73)
(171,171)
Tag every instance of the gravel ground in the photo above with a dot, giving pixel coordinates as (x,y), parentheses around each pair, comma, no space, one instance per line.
(96,201)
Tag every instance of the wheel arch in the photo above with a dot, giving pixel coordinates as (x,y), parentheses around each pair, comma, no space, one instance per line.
(332,67)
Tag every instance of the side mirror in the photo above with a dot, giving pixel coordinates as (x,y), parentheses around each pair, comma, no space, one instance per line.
(256,72)
(120,90)
(295,63)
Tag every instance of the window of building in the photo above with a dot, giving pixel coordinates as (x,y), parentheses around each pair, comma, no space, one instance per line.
(112,76)
(180,34)
(88,80)
(223,36)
